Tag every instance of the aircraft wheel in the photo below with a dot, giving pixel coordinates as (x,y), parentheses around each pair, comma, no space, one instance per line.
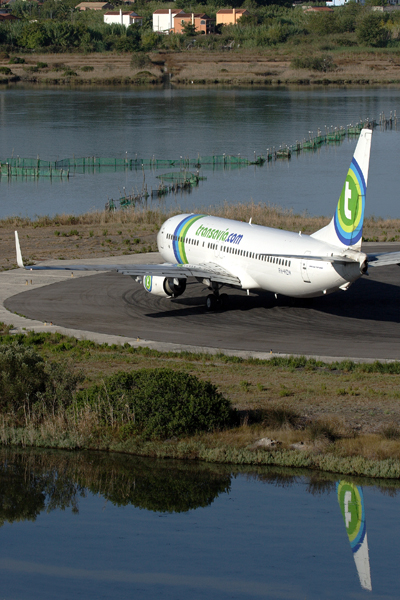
(223,301)
(211,302)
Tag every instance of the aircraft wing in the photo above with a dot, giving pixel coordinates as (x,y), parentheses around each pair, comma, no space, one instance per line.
(331,259)
(383,259)
(203,271)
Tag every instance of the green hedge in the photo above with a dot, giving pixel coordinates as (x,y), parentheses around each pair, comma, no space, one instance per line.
(158,403)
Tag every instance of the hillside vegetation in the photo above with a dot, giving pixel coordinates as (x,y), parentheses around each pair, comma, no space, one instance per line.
(57,27)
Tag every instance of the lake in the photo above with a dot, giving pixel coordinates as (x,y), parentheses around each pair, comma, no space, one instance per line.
(92,525)
(57,123)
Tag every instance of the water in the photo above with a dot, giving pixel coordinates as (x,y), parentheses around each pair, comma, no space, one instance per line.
(95,526)
(61,123)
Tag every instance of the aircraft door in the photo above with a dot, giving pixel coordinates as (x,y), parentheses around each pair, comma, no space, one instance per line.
(161,238)
(304,269)
(217,250)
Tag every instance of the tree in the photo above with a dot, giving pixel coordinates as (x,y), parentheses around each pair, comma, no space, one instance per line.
(371,31)
(189,29)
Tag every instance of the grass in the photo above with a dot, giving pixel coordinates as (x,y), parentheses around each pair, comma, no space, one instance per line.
(340,433)
(135,230)
(207,65)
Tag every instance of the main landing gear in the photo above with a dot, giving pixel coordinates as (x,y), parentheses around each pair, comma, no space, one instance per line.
(217,301)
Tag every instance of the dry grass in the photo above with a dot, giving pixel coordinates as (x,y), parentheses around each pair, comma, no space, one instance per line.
(371,446)
(341,402)
(101,233)
(290,405)
(107,68)
(259,66)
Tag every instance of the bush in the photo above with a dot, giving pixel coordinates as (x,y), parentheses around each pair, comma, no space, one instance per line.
(315,63)
(371,31)
(87,68)
(16,60)
(69,73)
(26,380)
(140,60)
(158,403)
(5,70)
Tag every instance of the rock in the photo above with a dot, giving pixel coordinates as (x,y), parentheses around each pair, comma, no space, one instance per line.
(300,446)
(266,443)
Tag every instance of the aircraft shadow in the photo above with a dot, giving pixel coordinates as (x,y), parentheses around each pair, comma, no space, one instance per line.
(365,300)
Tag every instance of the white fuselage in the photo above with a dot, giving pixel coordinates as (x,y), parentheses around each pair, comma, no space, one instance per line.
(252,253)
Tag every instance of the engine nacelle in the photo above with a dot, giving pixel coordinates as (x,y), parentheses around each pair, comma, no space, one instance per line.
(168,287)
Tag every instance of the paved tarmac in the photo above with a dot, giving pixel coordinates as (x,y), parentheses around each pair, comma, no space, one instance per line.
(362,323)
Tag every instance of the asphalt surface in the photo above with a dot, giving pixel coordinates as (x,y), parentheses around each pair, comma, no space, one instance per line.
(363,322)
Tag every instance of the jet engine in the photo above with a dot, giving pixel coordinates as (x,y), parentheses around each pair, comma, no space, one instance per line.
(168,287)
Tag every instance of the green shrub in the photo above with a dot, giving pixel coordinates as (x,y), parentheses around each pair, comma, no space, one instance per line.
(371,31)
(140,60)
(69,73)
(320,429)
(27,381)
(87,68)
(42,65)
(16,60)
(315,63)
(391,432)
(5,70)
(158,403)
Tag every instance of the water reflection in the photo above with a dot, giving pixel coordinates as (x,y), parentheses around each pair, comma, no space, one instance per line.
(351,502)
(206,530)
(31,483)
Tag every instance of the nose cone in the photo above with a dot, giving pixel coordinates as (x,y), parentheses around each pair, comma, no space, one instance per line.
(161,238)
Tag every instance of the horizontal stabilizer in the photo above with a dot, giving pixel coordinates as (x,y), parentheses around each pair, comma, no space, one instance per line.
(383,259)
(204,271)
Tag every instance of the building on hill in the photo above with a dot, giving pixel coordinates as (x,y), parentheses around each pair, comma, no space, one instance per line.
(122,17)
(163,19)
(94,6)
(4,16)
(325,9)
(201,21)
(230,16)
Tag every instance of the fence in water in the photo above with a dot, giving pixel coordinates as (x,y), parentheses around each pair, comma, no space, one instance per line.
(332,135)
(36,167)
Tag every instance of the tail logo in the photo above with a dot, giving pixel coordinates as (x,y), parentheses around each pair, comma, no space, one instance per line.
(148,283)
(351,503)
(349,216)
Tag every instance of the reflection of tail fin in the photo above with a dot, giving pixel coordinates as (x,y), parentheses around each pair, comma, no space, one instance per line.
(351,502)
(345,229)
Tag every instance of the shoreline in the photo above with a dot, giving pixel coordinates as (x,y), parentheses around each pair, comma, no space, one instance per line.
(200,68)
(282,432)
(198,450)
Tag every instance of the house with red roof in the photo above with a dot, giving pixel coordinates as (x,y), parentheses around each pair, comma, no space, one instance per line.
(163,19)
(202,23)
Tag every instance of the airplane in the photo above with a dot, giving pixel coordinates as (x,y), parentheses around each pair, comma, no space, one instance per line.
(222,252)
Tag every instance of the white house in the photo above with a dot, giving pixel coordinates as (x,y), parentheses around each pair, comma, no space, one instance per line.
(163,19)
(122,17)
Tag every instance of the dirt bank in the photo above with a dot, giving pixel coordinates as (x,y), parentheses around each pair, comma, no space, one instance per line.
(202,67)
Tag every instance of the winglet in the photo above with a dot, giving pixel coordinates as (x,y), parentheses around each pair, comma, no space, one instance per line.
(18,249)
